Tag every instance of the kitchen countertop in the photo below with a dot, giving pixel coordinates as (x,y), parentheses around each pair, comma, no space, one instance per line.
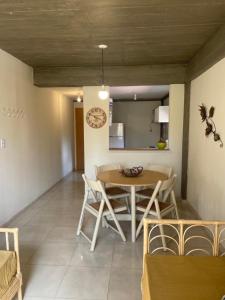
(137,149)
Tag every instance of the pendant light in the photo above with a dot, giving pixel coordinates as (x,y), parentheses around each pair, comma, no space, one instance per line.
(79,99)
(103,93)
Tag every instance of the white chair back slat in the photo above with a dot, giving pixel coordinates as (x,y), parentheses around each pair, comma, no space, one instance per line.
(108,167)
(168,185)
(162,169)
(92,185)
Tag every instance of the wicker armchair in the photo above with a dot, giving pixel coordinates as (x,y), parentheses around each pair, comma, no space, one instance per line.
(10,266)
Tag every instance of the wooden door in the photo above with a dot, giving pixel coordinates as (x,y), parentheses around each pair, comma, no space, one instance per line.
(79,138)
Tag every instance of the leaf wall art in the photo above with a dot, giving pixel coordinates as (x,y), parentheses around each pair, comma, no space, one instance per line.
(210,124)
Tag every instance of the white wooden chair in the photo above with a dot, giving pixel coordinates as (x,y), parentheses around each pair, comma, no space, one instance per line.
(159,209)
(146,193)
(100,208)
(113,192)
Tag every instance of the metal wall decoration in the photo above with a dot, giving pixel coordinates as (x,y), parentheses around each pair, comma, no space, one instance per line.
(11,112)
(210,125)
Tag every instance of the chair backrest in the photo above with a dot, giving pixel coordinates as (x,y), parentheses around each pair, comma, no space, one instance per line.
(107,167)
(162,169)
(93,185)
(167,186)
(208,237)
(95,188)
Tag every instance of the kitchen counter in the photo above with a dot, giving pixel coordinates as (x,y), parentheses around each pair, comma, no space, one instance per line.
(137,149)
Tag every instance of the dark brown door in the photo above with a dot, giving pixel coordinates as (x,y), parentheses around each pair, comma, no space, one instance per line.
(79,138)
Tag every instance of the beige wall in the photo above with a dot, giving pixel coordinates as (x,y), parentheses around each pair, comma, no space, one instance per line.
(206,168)
(97,140)
(38,149)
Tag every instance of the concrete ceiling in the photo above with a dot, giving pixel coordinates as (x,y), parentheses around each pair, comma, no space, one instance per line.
(65,33)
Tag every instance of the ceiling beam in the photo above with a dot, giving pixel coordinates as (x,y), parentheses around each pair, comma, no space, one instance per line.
(137,100)
(212,52)
(114,75)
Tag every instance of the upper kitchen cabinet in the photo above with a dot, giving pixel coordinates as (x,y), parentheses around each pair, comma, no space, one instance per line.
(161,114)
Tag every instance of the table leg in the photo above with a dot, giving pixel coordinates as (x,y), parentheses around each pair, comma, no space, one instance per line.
(133,214)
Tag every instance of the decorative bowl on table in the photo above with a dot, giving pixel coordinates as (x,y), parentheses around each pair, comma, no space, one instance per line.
(132,172)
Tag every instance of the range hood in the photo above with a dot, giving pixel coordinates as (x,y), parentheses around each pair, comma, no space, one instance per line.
(161,114)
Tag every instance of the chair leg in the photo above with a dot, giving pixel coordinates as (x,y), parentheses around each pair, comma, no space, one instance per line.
(175,204)
(117,224)
(99,217)
(159,216)
(82,215)
(20,296)
(141,223)
(163,237)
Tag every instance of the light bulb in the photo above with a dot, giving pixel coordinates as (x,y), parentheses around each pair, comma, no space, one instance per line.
(79,99)
(103,93)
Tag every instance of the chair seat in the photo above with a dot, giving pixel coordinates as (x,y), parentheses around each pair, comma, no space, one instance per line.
(146,192)
(162,205)
(115,191)
(114,203)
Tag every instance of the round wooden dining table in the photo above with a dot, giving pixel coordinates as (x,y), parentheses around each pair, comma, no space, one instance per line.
(146,178)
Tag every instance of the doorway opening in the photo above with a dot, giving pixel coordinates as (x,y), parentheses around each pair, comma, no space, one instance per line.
(79,136)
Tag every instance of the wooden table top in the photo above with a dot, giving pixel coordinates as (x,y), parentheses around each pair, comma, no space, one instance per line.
(174,277)
(146,178)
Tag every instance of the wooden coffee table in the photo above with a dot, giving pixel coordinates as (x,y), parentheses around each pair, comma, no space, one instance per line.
(147,177)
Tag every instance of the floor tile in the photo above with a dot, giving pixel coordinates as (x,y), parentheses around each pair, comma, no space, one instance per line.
(85,283)
(125,284)
(64,233)
(38,298)
(127,256)
(42,281)
(101,257)
(34,233)
(50,253)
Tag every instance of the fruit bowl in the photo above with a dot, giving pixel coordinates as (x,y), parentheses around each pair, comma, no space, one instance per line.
(132,172)
(161,145)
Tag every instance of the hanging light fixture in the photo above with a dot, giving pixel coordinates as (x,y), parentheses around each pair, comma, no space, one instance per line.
(79,99)
(103,93)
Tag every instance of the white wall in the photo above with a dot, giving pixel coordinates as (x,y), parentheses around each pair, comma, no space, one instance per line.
(38,149)
(138,117)
(97,140)
(206,168)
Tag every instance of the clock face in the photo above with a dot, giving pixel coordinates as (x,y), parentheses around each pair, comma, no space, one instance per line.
(96,117)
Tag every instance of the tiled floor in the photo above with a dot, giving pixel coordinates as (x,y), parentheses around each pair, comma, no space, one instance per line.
(58,264)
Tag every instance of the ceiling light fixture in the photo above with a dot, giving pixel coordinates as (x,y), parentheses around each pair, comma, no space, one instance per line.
(103,93)
(79,99)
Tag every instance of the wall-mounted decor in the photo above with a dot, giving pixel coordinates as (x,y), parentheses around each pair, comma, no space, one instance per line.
(210,125)
(11,112)
(96,117)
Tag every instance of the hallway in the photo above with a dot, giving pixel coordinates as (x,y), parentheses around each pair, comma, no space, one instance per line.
(58,264)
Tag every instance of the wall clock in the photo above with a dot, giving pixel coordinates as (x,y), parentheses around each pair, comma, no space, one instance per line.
(96,117)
